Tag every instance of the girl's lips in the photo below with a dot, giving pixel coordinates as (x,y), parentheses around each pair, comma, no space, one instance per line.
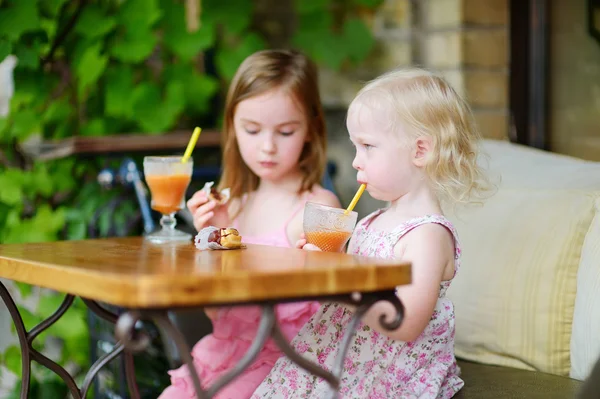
(267,164)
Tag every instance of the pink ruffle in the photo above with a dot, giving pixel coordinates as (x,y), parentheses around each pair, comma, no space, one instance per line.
(234,331)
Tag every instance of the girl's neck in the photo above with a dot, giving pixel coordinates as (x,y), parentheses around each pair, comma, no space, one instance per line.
(290,183)
(417,202)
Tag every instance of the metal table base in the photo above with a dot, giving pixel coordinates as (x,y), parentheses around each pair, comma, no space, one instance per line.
(131,340)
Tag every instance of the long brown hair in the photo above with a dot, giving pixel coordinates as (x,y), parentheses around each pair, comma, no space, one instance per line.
(260,72)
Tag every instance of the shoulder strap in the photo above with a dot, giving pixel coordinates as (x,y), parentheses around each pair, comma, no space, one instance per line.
(307,195)
(419,221)
(366,221)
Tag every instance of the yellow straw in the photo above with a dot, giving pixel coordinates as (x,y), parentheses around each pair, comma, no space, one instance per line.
(191,145)
(361,190)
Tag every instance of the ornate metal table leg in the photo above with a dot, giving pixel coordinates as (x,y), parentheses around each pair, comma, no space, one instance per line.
(28,353)
(97,366)
(22,335)
(125,332)
(136,341)
(129,365)
(265,327)
(363,303)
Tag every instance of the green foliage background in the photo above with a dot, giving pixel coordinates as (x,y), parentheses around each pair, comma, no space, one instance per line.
(102,67)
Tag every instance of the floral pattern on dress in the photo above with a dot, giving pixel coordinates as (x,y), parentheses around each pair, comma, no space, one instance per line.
(376,367)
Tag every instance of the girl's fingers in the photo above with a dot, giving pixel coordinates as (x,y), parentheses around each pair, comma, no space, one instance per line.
(201,220)
(311,247)
(197,199)
(300,243)
(206,207)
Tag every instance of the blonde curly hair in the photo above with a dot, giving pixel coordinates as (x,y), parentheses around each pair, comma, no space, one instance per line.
(425,105)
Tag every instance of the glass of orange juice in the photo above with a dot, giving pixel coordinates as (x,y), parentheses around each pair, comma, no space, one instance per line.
(328,228)
(167,178)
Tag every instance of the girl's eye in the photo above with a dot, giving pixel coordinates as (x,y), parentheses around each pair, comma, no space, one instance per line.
(367,146)
(250,131)
(286,133)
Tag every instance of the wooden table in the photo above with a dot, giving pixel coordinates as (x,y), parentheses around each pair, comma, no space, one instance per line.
(149,280)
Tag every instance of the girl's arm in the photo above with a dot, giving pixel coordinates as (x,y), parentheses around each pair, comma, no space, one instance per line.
(212,313)
(430,249)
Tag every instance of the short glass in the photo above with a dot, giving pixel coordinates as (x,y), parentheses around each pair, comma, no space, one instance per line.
(327,227)
(167,178)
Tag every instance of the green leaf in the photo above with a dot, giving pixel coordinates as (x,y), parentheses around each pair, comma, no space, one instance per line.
(18,18)
(24,289)
(76,226)
(235,16)
(94,127)
(49,303)
(139,14)
(32,88)
(228,59)
(28,56)
(188,45)
(150,112)
(41,180)
(58,111)
(310,6)
(24,123)
(30,319)
(12,358)
(62,172)
(51,7)
(199,89)
(174,100)
(368,3)
(93,22)
(3,126)
(5,49)
(119,87)
(134,48)
(49,26)
(90,68)
(49,220)
(358,39)
(182,43)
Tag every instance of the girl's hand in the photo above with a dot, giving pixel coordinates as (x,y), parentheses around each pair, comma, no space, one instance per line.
(207,212)
(302,244)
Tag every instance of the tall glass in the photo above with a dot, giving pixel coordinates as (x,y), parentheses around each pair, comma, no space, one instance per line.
(168,179)
(328,228)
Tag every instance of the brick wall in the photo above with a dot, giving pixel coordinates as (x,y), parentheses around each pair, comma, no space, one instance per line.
(465,40)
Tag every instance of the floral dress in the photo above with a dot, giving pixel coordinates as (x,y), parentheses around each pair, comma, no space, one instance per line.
(376,367)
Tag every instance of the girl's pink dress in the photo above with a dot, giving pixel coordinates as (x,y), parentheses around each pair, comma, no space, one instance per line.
(233,332)
(376,367)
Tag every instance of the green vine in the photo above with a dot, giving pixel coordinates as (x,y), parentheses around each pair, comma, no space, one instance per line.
(104,67)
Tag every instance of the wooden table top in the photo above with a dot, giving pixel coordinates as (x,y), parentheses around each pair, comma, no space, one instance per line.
(132,272)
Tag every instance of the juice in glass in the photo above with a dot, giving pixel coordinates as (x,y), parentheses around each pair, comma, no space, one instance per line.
(167,178)
(327,227)
(167,191)
(329,241)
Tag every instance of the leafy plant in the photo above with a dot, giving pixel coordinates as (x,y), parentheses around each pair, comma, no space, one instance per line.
(105,67)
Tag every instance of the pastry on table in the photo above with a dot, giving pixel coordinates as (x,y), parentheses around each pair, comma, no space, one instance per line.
(212,237)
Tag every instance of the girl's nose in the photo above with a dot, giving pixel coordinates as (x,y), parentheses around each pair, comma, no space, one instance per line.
(356,164)
(268,144)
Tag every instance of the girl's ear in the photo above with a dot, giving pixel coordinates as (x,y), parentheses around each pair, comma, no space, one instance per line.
(423,147)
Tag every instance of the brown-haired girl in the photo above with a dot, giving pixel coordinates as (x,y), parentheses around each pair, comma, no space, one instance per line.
(274,156)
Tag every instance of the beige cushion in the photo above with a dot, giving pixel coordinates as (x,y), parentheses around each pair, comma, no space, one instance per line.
(585,341)
(516,291)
